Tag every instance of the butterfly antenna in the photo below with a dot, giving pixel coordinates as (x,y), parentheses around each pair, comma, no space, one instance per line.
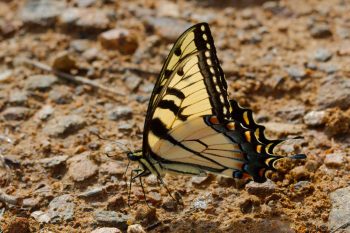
(127,167)
(119,144)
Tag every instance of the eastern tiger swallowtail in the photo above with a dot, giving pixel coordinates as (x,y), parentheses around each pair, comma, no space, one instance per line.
(192,127)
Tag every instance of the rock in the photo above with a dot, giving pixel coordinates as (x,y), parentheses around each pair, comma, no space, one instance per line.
(299,173)
(201,180)
(54,161)
(334,92)
(120,112)
(296,72)
(98,191)
(292,113)
(18,225)
(31,202)
(81,167)
(87,20)
(340,211)
(106,230)
(112,218)
(45,112)
(284,128)
(85,3)
(154,197)
(132,81)
(116,202)
(40,82)
(249,204)
(338,122)
(320,30)
(113,168)
(65,125)
(135,228)
(16,113)
(145,215)
(322,55)
(335,160)
(41,217)
(300,185)
(168,9)
(119,39)
(261,189)
(63,61)
(91,54)
(80,45)
(61,208)
(328,68)
(41,12)
(61,95)
(18,98)
(167,28)
(200,203)
(5,76)
(315,118)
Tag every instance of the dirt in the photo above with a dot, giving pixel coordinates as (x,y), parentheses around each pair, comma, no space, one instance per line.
(286,60)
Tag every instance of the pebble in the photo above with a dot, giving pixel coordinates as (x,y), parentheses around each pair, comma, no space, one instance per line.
(328,68)
(106,230)
(86,19)
(146,215)
(249,204)
(63,61)
(168,9)
(261,189)
(320,30)
(61,208)
(64,126)
(116,202)
(112,218)
(296,72)
(168,28)
(61,95)
(40,82)
(41,216)
(80,45)
(18,98)
(299,173)
(315,118)
(340,211)
(5,76)
(135,228)
(81,167)
(116,168)
(334,92)
(45,112)
(92,192)
(91,54)
(335,160)
(41,12)
(200,180)
(120,112)
(323,55)
(85,3)
(154,198)
(120,39)
(16,113)
(132,81)
(300,185)
(53,161)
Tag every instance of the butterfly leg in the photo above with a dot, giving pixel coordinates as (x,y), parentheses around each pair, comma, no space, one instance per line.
(139,174)
(160,180)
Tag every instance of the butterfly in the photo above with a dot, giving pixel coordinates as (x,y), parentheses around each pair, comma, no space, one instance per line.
(192,127)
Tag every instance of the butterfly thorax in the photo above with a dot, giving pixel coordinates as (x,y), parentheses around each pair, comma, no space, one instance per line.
(148,166)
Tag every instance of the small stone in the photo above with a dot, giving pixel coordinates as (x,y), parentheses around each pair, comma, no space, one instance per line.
(201,180)
(120,39)
(299,173)
(300,185)
(41,12)
(61,208)
(113,168)
(292,113)
(16,113)
(81,167)
(328,68)
(296,72)
(170,205)
(120,112)
(5,76)
(45,112)
(85,3)
(132,81)
(54,161)
(145,215)
(80,45)
(91,54)
(63,126)
(63,61)
(340,211)
(200,203)
(154,198)
(334,92)
(31,202)
(315,118)
(320,30)
(168,9)
(112,218)
(61,95)
(135,228)
(322,55)
(18,97)
(168,28)
(116,203)
(335,160)
(40,82)
(249,204)
(106,230)
(261,189)
(41,217)
(18,225)
(98,191)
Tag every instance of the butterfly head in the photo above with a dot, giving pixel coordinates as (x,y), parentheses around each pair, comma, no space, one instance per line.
(135,156)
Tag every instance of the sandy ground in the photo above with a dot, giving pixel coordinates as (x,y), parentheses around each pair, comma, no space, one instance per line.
(286,60)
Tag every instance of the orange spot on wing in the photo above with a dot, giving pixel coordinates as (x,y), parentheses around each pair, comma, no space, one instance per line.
(231,126)
(248,136)
(214,120)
